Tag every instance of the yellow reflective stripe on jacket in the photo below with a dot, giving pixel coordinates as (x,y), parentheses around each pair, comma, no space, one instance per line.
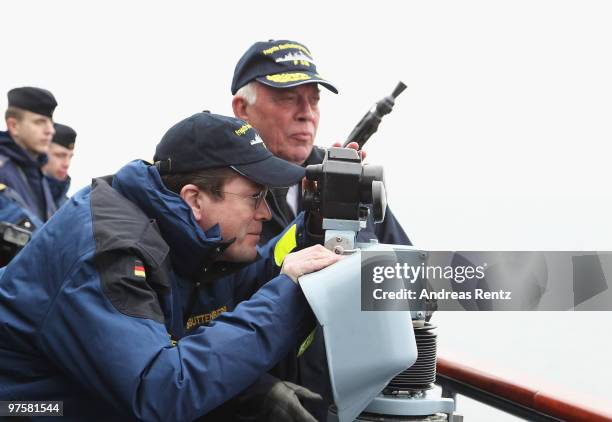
(285,244)
(306,343)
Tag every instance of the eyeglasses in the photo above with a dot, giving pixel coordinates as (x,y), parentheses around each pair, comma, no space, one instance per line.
(256,199)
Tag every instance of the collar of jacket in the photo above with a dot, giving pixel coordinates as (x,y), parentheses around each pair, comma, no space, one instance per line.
(316,156)
(191,249)
(10,149)
(59,188)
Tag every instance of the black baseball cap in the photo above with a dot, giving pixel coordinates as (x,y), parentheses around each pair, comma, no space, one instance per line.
(64,136)
(279,64)
(207,141)
(36,100)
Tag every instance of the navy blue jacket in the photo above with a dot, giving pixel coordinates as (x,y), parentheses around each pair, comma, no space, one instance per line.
(24,176)
(59,189)
(97,318)
(13,211)
(310,369)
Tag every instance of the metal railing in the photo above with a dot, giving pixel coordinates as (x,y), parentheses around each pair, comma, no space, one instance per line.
(512,397)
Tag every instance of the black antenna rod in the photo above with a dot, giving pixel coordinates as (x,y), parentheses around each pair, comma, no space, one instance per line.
(368,125)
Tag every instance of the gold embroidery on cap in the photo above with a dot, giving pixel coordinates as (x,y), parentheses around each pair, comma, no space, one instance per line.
(243,129)
(288,77)
(279,47)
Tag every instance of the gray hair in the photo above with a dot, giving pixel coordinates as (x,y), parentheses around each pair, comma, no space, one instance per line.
(248,93)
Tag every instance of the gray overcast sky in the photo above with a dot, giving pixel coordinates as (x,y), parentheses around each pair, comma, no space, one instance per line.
(501,141)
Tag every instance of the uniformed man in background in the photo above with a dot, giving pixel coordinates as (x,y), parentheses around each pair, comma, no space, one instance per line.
(24,147)
(60,156)
(26,201)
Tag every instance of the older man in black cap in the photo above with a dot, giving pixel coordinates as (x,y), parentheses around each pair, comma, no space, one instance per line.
(276,89)
(60,155)
(24,147)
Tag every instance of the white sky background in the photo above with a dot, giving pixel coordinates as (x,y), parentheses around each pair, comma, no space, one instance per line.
(501,141)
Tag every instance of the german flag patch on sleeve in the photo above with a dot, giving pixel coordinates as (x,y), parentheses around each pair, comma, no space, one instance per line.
(139,269)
